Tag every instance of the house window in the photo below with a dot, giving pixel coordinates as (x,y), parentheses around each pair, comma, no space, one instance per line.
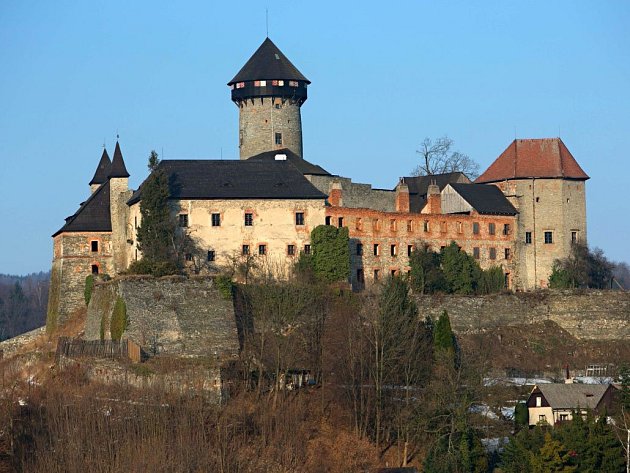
(392,250)
(564,417)
(476,252)
(506,228)
(328,219)
(409,250)
(360,276)
(475,228)
(359,249)
(307,249)
(210,255)
(542,418)
(538,401)
(262,250)
(245,250)
(508,253)
(359,224)
(491,228)
(95,269)
(493,253)
(188,256)
(249,219)
(376,274)
(392,225)
(409,226)
(299,218)
(574,236)
(548,238)
(376,249)
(528,238)
(216,220)
(278,138)
(291,250)
(340,221)
(425,226)
(183,220)
(443,227)
(94,246)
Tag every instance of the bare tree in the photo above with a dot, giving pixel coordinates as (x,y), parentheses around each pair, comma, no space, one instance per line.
(437,157)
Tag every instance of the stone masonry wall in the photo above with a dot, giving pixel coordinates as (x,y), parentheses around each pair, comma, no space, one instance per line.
(594,315)
(357,195)
(173,315)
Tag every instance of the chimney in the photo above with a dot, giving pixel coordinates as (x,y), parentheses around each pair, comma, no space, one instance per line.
(402,196)
(434,199)
(334,196)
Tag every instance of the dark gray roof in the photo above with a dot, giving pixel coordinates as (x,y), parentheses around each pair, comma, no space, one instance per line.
(301,164)
(234,179)
(268,62)
(418,186)
(571,396)
(118,168)
(93,214)
(102,170)
(485,199)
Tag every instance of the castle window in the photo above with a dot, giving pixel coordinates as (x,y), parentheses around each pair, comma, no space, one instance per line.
(409,250)
(376,274)
(216,220)
(359,224)
(278,138)
(376,249)
(278,106)
(360,276)
(262,250)
(528,238)
(443,227)
(249,219)
(293,83)
(291,250)
(95,269)
(409,226)
(94,246)
(376,224)
(188,256)
(328,219)
(426,226)
(476,252)
(263,83)
(460,227)
(299,218)
(183,220)
(307,249)
(340,222)
(475,228)
(393,250)
(274,82)
(574,236)
(548,238)
(392,225)
(210,255)
(493,253)
(135,222)
(537,199)
(508,253)
(359,249)
(506,228)
(245,250)
(491,228)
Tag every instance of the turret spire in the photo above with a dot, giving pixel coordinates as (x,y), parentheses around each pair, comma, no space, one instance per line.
(102,170)
(118,168)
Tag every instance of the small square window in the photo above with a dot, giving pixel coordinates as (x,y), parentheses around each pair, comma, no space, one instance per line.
(262,250)
(528,238)
(491,228)
(376,249)
(307,249)
(476,252)
(216,220)
(359,249)
(392,250)
(210,255)
(506,228)
(183,220)
(245,250)
(475,228)
(94,246)
(299,218)
(508,253)
(278,138)
(548,238)
(249,219)
(291,250)
(493,253)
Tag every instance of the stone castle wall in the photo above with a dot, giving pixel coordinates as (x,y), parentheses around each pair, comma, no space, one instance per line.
(357,195)
(259,121)
(171,315)
(589,315)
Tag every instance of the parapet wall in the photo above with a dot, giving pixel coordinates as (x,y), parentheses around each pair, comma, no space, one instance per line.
(173,315)
(588,315)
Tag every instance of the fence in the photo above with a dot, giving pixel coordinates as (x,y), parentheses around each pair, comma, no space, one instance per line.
(71,348)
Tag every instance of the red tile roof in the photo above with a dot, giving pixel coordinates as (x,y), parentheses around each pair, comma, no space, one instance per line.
(546,157)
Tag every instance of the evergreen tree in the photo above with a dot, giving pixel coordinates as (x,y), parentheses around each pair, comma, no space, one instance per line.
(426,274)
(461,271)
(331,253)
(443,336)
(553,457)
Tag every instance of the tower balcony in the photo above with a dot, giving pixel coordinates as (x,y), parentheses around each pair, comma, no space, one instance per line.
(295,91)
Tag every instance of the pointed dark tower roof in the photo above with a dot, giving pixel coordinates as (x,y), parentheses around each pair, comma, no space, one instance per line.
(268,63)
(118,168)
(102,170)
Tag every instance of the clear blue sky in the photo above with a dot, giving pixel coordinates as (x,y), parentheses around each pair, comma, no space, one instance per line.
(384,76)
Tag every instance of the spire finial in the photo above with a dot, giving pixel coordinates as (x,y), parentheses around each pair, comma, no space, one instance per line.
(267,20)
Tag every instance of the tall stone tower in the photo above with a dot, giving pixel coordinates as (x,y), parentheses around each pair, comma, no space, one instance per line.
(547,186)
(269,91)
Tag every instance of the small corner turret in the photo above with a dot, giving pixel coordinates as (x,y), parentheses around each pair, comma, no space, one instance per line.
(269,91)
(102,172)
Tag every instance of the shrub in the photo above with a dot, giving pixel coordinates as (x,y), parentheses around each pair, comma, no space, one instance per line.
(89,286)
(119,321)
(153,268)
(225,286)
(331,253)
(491,281)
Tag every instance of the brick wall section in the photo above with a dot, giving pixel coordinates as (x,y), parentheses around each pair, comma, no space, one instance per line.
(181,316)
(591,315)
(260,120)
(370,227)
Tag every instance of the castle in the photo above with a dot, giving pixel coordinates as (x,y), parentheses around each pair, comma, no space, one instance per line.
(521,214)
